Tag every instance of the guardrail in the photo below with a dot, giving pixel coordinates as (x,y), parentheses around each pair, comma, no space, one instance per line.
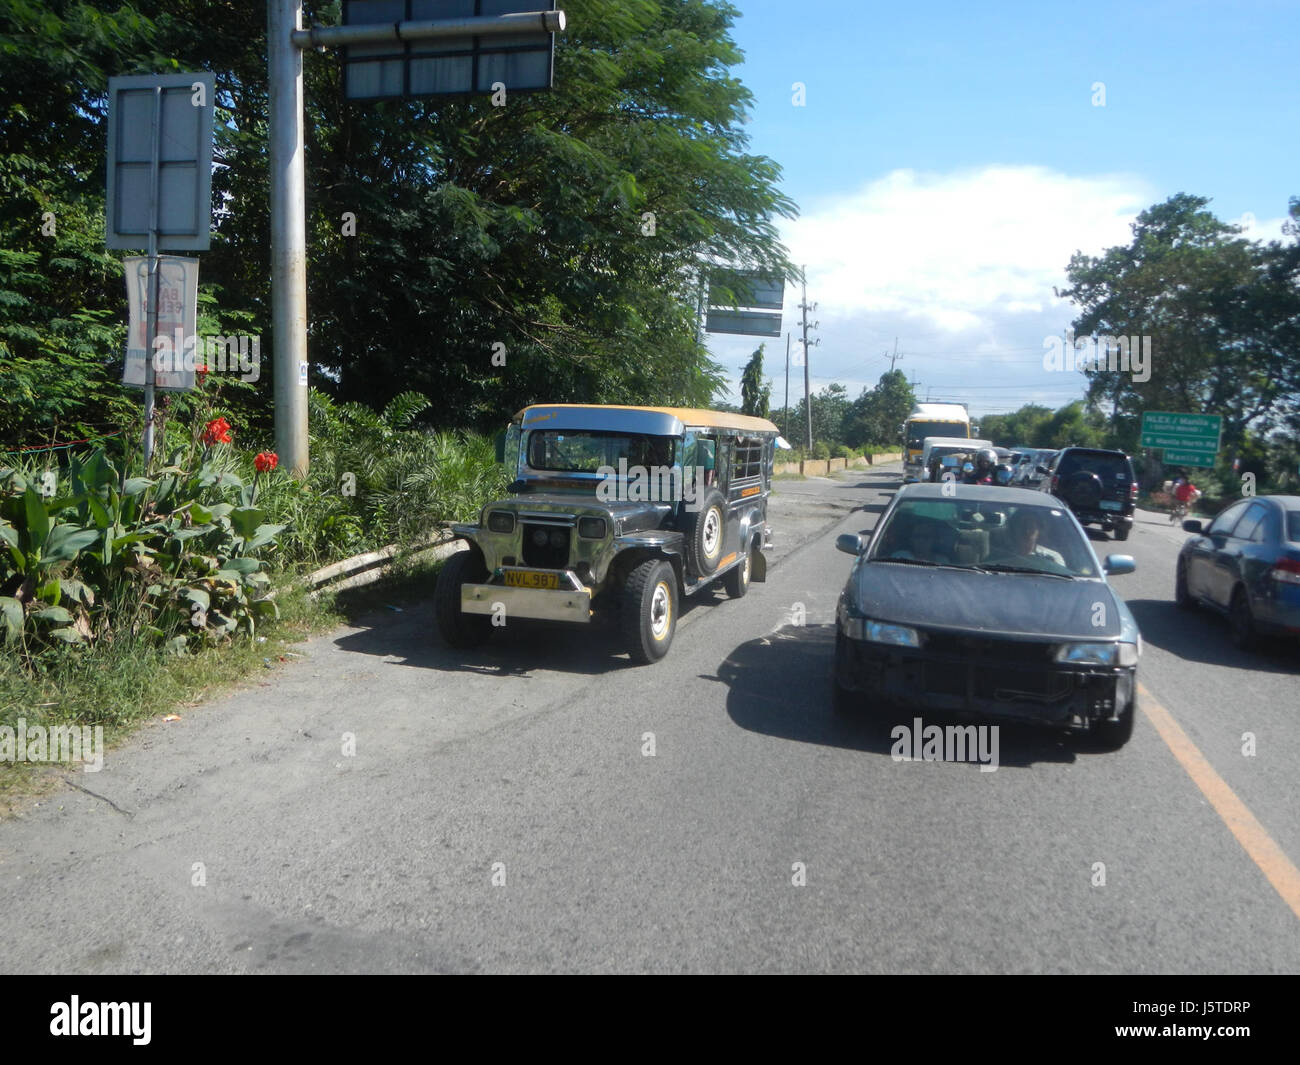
(370,566)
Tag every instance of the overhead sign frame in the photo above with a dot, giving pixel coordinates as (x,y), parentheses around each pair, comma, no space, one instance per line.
(447,66)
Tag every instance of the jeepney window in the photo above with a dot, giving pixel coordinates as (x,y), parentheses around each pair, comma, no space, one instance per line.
(586,451)
(726,461)
(749,458)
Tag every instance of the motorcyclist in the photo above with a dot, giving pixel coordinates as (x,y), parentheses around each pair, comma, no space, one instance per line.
(986,461)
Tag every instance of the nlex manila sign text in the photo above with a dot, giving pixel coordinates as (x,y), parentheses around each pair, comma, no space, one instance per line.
(1182,433)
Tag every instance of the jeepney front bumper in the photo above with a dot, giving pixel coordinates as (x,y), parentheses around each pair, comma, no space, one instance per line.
(569,601)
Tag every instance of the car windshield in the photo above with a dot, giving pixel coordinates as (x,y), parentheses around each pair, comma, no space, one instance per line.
(998,537)
(918,431)
(586,451)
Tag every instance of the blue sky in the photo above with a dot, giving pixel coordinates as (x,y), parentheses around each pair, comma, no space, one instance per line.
(950,157)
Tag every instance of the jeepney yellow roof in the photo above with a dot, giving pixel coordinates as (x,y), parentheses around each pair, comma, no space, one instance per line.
(711,419)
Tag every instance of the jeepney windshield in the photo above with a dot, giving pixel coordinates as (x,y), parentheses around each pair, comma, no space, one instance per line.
(586,451)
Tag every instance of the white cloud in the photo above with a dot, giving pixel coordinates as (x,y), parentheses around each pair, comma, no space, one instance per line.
(957,249)
(959,266)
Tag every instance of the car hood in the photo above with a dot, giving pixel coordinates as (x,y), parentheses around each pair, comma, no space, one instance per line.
(1010,603)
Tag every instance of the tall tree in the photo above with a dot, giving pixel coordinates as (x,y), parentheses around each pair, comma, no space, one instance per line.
(547,249)
(1222,313)
(755,394)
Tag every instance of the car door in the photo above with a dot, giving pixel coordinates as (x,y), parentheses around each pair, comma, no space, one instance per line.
(1218,564)
(1246,550)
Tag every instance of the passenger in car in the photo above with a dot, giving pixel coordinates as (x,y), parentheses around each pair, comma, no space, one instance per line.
(926,542)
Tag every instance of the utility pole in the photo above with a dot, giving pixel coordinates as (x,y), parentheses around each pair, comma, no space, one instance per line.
(288,235)
(786,427)
(807,386)
(894,357)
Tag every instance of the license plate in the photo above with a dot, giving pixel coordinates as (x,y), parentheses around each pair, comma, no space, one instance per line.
(1107,504)
(527,578)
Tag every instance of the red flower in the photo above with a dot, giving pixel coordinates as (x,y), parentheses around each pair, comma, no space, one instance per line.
(265,461)
(200,374)
(216,431)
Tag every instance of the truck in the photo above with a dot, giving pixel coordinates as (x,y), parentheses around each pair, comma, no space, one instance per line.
(930,419)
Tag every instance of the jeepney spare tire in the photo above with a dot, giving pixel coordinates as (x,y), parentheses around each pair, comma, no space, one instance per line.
(704,534)
(458,628)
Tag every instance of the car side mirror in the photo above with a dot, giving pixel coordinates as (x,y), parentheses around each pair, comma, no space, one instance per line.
(1191,525)
(1117,565)
(851,543)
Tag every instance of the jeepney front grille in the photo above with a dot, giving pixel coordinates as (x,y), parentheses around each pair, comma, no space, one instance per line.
(553,550)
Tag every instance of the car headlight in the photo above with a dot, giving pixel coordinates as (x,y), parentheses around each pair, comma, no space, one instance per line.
(591,528)
(501,521)
(881,632)
(1098,654)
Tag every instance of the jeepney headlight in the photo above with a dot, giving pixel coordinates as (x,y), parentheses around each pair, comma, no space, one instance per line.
(558,538)
(591,528)
(1098,654)
(501,521)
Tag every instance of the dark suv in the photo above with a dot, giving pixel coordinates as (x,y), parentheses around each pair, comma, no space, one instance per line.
(1098,486)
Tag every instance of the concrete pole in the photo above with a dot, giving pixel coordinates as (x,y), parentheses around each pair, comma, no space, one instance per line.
(288,235)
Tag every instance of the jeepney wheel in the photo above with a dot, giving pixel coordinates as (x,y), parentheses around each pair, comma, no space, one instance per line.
(458,628)
(650,610)
(704,535)
(736,579)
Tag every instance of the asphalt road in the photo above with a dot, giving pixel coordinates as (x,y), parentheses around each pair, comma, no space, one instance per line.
(502,810)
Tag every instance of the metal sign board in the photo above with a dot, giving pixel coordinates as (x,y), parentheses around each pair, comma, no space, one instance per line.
(1184,432)
(176,340)
(746,323)
(747,288)
(1189,458)
(521,62)
(181,107)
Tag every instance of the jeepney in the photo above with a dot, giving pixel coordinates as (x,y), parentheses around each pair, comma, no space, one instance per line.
(615,515)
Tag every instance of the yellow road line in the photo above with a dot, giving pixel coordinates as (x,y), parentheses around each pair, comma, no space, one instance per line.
(1253,836)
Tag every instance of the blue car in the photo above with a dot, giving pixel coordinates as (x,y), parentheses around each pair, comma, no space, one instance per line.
(1246,565)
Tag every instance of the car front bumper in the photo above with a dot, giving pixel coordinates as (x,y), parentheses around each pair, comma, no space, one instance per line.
(1031,691)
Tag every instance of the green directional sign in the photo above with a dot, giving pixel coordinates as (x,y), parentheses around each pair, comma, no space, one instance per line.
(1184,435)
(1189,458)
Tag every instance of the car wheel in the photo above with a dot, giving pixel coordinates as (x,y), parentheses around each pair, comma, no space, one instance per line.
(1240,621)
(705,534)
(1182,597)
(650,610)
(736,579)
(1121,533)
(459,629)
(1112,735)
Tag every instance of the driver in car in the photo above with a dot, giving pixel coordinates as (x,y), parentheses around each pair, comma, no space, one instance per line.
(1023,532)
